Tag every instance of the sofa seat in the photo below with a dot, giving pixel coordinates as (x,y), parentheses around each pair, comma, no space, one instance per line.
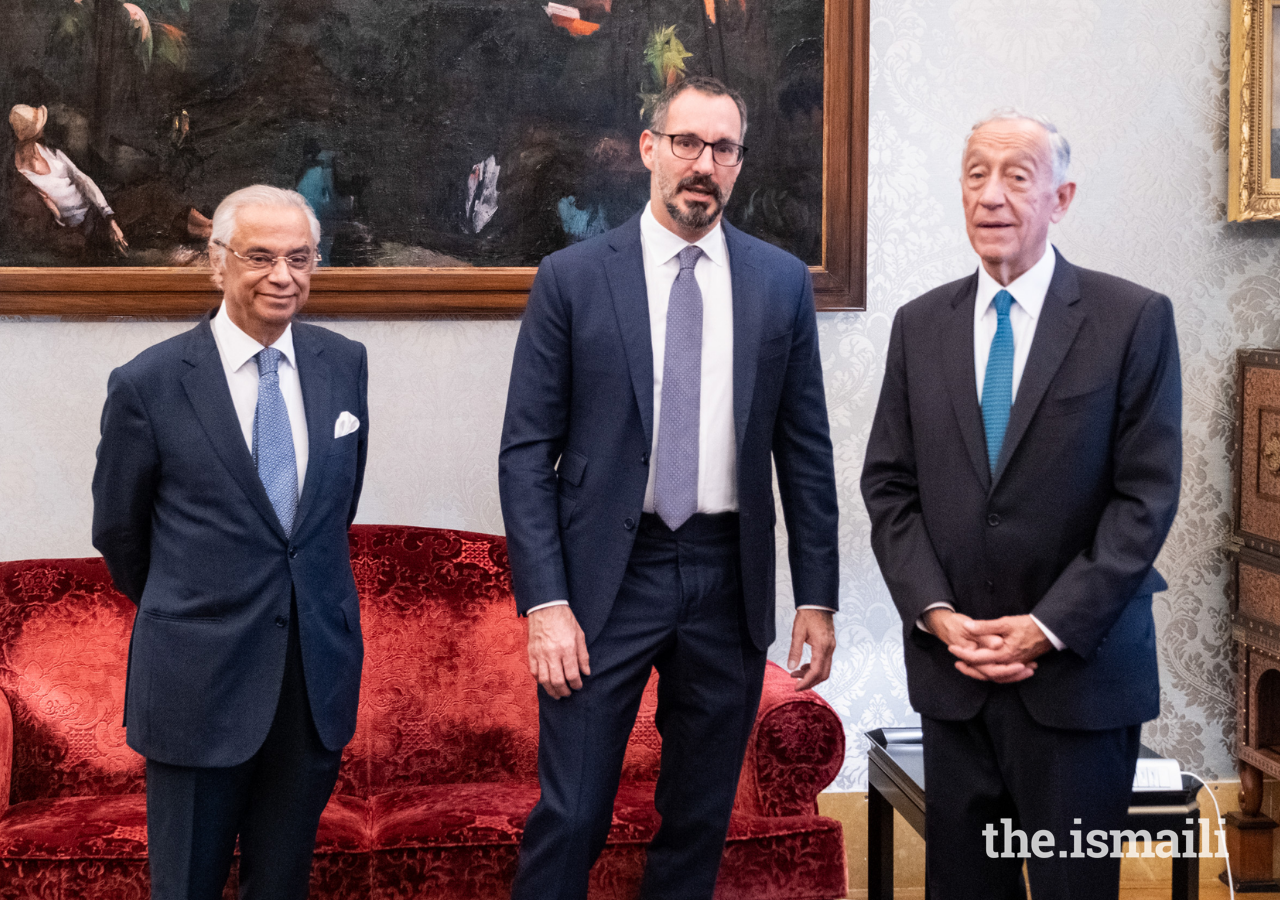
(104,827)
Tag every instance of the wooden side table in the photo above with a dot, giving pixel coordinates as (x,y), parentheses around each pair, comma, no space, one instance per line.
(895,780)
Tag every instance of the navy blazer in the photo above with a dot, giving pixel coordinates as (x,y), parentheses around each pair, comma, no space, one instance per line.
(574,462)
(1083,495)
(189,534)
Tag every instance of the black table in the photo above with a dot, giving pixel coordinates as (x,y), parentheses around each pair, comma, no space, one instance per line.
(895,780)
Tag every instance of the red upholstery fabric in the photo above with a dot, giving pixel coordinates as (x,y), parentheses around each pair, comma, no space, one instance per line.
(435,786)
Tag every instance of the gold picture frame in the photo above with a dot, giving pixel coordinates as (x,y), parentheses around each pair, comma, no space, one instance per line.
(1253,175)
(839,281)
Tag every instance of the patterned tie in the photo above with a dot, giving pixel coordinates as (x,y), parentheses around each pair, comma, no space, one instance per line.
(997,387)
(273,441)
(675,487)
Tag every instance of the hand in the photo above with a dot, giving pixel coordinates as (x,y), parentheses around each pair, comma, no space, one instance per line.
(557,650)
(816,628)
(117,238)
(1000,650)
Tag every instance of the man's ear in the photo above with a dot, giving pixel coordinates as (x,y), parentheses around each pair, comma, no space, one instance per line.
(648,146)
(1063,195)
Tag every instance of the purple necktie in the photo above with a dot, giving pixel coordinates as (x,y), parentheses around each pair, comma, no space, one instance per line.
(675,487)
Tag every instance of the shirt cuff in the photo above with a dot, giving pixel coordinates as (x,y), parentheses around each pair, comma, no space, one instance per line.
(533,609)
(920,621)
(815,606)
(1053,638)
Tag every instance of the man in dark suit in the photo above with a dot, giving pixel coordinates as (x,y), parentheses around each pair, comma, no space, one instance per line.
(679,341)
(228,473)
(1021,475)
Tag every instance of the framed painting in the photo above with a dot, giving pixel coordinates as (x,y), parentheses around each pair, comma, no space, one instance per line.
(446,145)
(1253,182)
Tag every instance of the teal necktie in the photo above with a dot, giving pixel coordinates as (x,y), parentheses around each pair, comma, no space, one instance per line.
(997,387)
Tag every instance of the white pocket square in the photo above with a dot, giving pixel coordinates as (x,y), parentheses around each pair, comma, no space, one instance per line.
(346,424)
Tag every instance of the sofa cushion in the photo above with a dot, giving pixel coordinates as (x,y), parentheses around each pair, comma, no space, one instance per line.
(112,826)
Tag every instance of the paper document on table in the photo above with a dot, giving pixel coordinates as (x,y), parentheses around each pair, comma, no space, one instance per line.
(1155,774)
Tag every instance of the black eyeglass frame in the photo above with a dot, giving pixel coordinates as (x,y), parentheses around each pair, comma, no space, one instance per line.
(703,145)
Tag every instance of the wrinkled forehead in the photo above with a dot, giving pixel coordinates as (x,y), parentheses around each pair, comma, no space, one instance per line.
(1009,139)
(272,228)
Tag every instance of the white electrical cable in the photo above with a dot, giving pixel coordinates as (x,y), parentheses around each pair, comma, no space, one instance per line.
(1217,812)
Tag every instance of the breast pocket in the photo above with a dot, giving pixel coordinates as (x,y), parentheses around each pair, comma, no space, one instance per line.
(1074,401)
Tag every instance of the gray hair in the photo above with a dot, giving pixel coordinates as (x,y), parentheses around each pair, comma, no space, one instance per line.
(228,211)
(703,84)
(1059,149)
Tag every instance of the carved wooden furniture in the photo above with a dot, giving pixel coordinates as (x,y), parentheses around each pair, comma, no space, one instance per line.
(1255,614)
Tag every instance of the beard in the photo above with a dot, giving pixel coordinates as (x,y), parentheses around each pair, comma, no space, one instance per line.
(701,213)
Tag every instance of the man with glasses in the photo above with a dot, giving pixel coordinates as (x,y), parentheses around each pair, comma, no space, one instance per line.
(228,473)
(662,370)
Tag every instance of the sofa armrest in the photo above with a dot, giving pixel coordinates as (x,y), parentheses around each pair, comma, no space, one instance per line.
(796,749)
(6,751)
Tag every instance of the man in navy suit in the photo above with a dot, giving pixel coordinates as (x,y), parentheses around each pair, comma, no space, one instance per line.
(1022,473)
(660,369)
(228,473)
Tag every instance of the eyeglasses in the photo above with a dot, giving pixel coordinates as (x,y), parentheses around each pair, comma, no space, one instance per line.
(299,262)
(690,146)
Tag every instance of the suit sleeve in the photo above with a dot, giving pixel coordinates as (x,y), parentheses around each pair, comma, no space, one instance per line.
(124,486)
(362,450)
(1091,593)
(534,432)
(802,455)
(891,492)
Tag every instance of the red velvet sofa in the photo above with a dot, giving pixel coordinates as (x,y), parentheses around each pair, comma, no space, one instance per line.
(440,776)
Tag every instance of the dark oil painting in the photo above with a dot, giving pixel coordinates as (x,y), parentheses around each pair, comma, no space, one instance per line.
(424,132)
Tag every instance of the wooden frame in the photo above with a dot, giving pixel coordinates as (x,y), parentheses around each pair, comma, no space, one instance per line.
(1252,194)
(839,283)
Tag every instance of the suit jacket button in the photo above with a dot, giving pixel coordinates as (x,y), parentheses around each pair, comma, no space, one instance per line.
(991,586)
(644,460)
(293,552)
(993,520)
(281,621)
(629,524)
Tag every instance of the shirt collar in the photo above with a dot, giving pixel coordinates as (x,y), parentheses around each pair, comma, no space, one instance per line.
(238,348)
(1028,289)
(663,245)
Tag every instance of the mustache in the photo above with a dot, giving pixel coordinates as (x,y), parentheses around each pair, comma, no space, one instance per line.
(703,182)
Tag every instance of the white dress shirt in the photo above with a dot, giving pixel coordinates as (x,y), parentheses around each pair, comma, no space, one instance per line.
(1028,290)
(717,442)
(238,352)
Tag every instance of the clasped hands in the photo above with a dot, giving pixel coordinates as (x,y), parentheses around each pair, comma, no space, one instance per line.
(1002,650)
(558,655)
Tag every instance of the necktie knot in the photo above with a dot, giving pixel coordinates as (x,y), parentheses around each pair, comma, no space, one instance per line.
(689,257)
(1003,302)
(268,360)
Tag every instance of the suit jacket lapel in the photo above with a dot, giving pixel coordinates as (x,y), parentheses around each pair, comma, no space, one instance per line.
(957,360)
(317,399)
(1060,319)
(625,271)
(206,388)
(748,315)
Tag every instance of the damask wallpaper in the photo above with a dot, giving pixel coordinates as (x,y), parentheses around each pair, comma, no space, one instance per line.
(1140,90)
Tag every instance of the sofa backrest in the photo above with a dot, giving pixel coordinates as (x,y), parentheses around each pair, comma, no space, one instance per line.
(446,694)
(64,643)
(445,697)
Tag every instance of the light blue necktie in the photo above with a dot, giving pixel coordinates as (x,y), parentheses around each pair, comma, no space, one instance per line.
(997,386)
(675,486)
(273,441)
